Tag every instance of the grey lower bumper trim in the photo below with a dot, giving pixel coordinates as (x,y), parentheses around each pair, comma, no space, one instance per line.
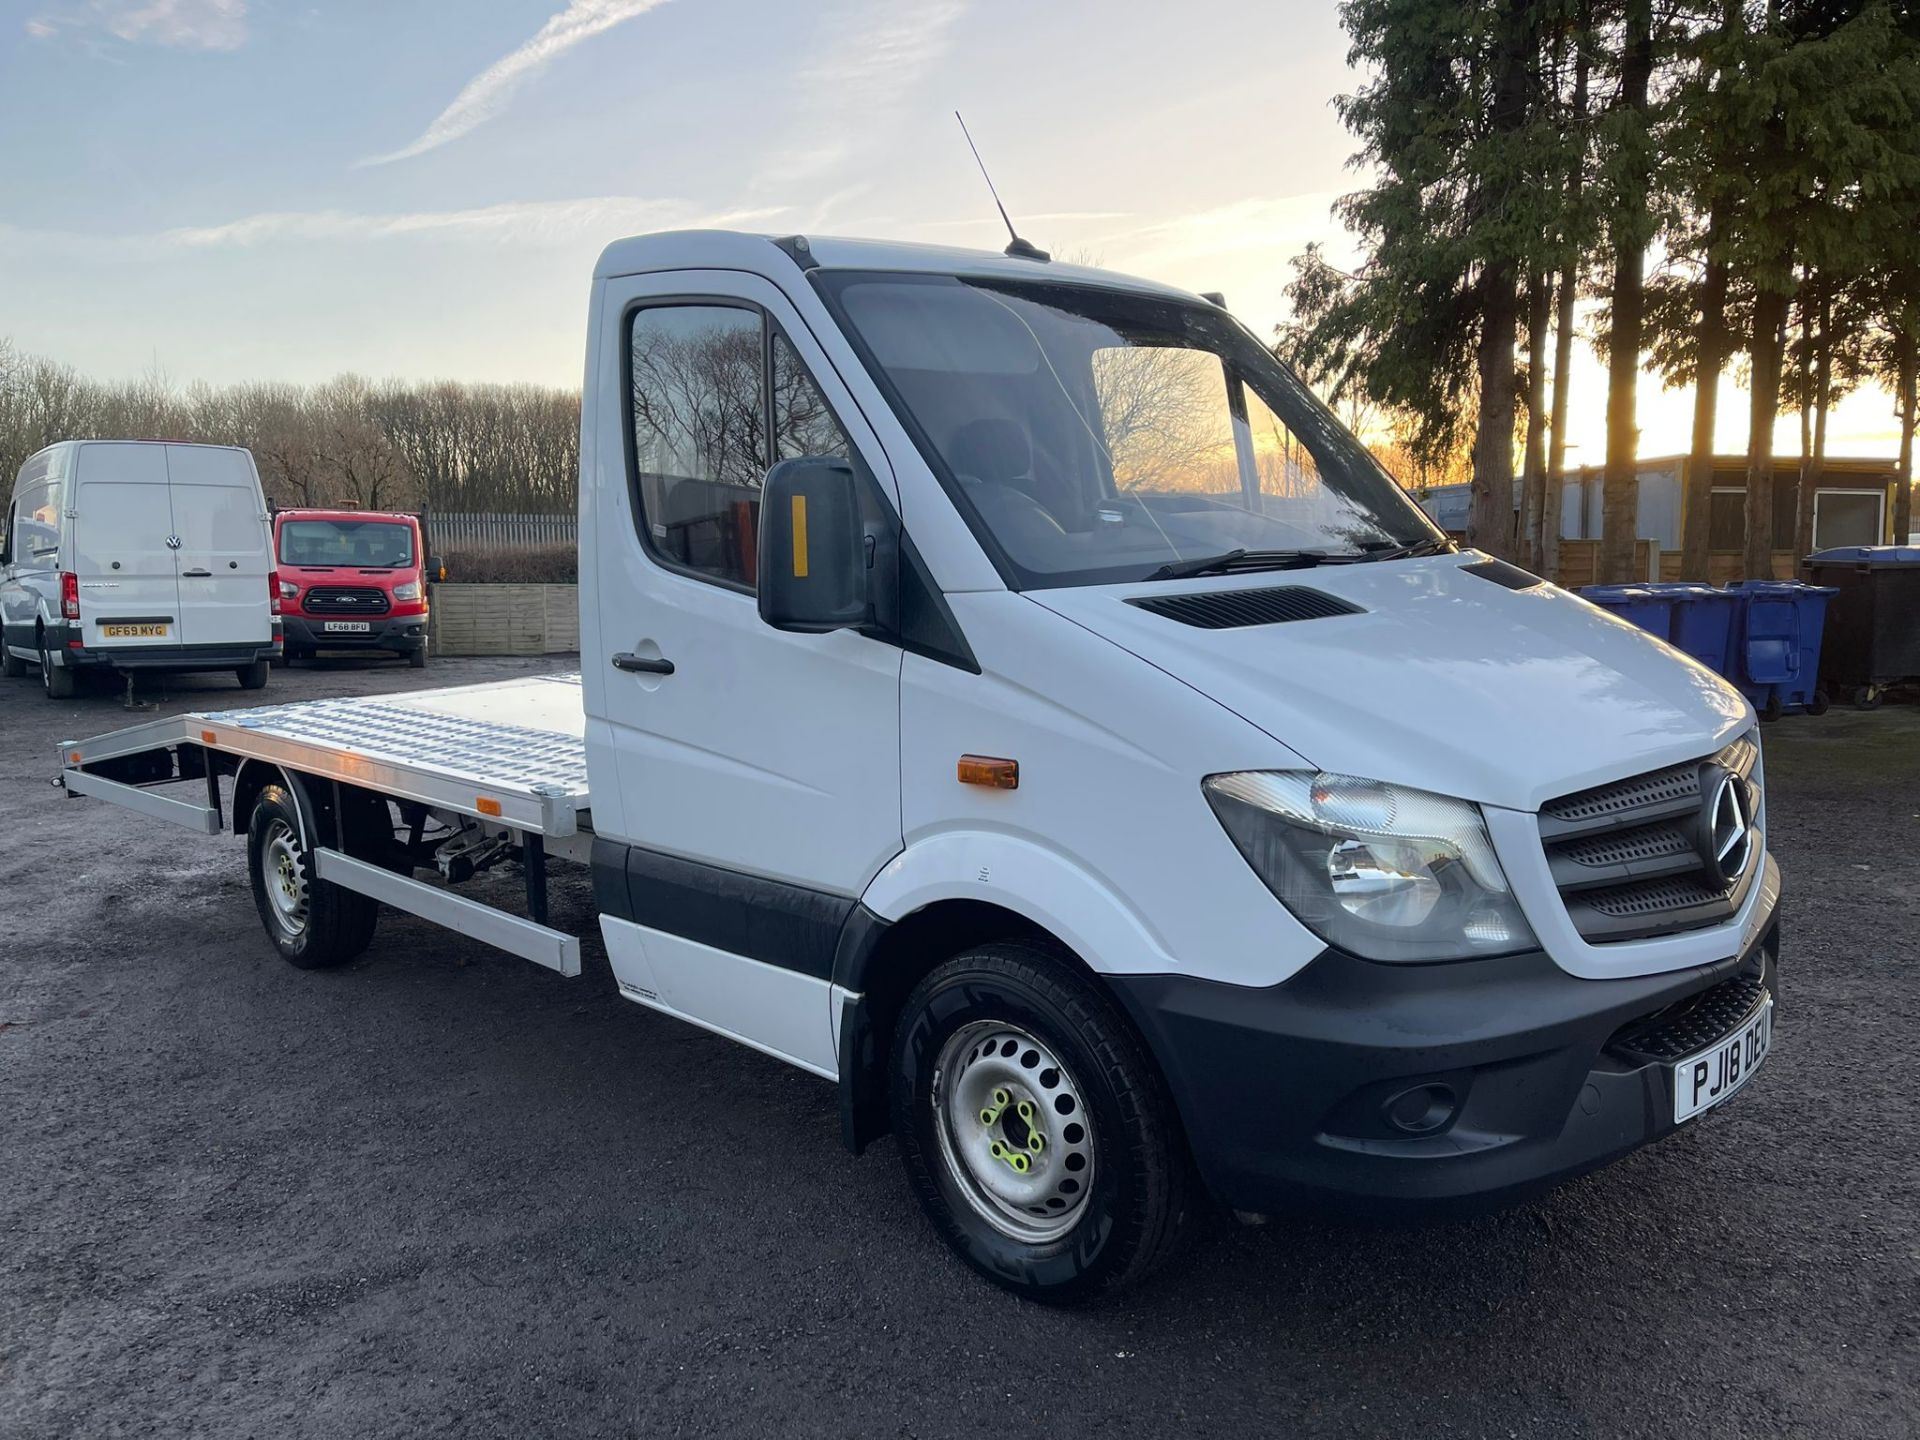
(515,935)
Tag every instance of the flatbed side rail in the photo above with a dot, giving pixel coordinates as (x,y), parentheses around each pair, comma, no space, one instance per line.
(517,936)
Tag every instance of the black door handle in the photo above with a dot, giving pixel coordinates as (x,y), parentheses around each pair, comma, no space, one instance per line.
(196,574)
(627,660)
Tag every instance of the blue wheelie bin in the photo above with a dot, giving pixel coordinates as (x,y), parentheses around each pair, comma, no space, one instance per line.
(1702,621)
(1777,653)
(1643,605)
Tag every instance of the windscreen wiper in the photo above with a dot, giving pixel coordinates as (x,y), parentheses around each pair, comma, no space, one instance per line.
(1432,546)
(1242,559)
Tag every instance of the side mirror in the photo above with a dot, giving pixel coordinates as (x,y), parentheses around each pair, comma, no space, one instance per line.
(436,568)
(812,548)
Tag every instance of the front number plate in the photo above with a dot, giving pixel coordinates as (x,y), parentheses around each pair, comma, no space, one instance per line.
(133,632)
(1703,1080)
(348,627)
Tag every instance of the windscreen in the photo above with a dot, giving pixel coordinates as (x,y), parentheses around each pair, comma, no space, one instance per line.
(1093,435)
(366,544)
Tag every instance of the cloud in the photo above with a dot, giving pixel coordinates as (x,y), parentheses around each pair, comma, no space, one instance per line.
(488,93)
(1268,226)
(181,24)
(594,219)
(874,56)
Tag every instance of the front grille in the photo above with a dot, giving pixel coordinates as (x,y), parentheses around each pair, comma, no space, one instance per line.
(1643,793)
(346,600)
(1634,857)
(1692,1024)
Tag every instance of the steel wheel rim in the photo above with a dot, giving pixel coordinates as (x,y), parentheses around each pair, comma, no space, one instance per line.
(1014,1131)
(284,880)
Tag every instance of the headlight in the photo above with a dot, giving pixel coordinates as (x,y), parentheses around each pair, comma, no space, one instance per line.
(409,591)
(288,590)
(1378,870)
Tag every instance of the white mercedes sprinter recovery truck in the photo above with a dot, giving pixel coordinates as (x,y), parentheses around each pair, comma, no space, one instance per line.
(137,555)
(1008,694)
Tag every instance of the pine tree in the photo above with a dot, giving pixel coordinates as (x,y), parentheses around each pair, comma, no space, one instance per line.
(1455,224)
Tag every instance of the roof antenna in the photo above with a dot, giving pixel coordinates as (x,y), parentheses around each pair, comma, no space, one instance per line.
(1016,247)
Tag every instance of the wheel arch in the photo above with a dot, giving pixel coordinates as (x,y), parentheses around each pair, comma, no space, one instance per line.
(252,777)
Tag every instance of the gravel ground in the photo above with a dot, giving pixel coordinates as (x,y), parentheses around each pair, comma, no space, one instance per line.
(445,1192)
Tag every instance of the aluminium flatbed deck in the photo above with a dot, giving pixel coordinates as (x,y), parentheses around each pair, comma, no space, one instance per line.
(509,750)
(510,754)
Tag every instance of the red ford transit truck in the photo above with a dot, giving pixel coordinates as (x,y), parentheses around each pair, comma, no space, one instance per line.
(352,580)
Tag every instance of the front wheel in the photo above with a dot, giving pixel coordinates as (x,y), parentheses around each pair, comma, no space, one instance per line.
(312,922)
(417,658)
(1036,1129)
(11,665)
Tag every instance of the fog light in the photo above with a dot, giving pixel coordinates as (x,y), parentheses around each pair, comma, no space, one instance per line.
(1421,1110)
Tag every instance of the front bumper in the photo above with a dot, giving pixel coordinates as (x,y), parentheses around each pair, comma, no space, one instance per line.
(387,632)
(1334,1087)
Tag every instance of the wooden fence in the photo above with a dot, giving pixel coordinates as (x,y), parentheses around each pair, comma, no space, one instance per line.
(506,619)
(1724,566)
(499,531)
(1580,564)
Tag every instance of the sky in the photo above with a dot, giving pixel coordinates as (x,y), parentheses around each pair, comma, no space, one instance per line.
(229,190)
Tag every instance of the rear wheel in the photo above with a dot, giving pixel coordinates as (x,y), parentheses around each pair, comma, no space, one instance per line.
(1035,1128)
(252,677)
(313,923)
(56,680)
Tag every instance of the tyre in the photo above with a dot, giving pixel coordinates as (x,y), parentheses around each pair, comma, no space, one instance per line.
(56,680)
(312,922)
(1868,697)
(252,677)
(1819,702)
(417,658)
(1035,1127)
(11,665)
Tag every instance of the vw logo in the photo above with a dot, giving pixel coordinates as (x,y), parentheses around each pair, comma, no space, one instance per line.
(1726,825)
(173,542)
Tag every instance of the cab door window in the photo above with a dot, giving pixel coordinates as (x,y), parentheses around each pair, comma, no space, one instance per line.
(717,396)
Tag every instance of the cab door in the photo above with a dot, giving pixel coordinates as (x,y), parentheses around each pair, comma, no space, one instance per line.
(223,555)
(758,770)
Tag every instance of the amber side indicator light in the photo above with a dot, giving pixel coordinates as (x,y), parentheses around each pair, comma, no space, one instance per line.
(991,771)
(487,806)
(207,737)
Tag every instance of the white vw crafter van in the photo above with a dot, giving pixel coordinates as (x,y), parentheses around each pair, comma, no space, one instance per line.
(137,555)
(1009,694)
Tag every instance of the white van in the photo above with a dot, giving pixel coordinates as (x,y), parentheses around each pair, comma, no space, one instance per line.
(138,555)
(1007,693)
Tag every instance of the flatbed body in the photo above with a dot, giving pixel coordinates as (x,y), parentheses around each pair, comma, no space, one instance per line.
(511,751)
